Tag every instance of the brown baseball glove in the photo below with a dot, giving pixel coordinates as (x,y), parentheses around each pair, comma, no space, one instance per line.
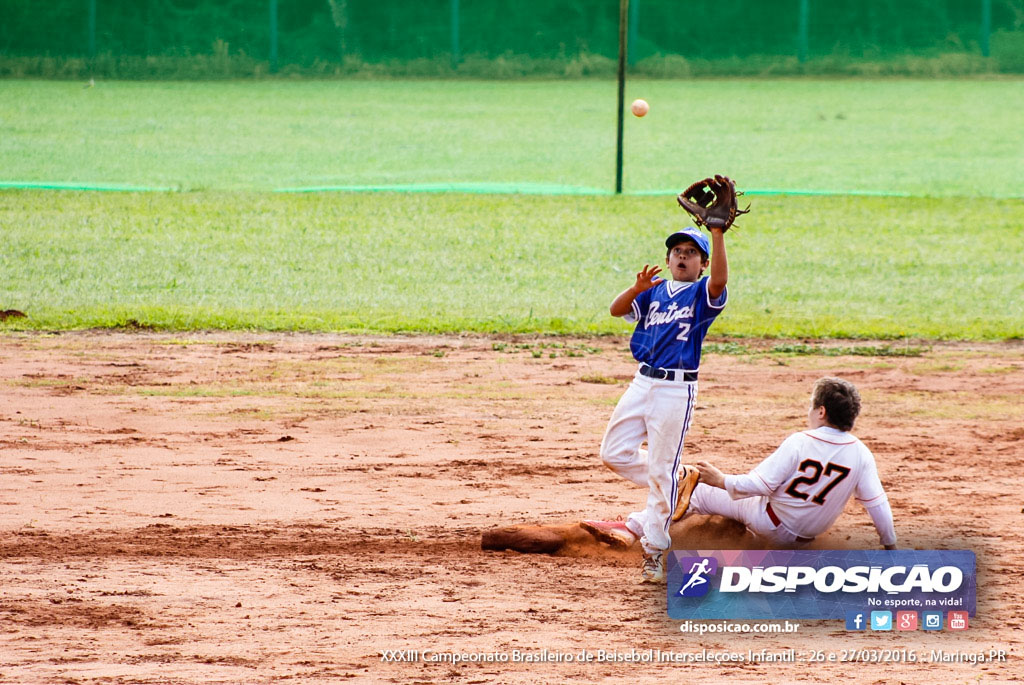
(712,202)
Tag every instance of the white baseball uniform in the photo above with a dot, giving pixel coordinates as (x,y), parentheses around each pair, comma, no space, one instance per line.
(799,491)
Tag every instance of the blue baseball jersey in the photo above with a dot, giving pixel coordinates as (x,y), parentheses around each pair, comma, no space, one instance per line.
(672,319)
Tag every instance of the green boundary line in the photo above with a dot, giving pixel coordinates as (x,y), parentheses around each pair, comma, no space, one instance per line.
(525,188)
(481,188)
(556,189)
(767,191)
(547,189)
(74,185)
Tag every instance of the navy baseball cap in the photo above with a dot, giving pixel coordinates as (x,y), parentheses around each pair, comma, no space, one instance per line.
(693,235)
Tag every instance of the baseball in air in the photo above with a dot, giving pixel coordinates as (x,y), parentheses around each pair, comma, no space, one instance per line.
(639,107)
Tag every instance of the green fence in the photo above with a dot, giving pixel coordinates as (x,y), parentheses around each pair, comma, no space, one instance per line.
(443,37)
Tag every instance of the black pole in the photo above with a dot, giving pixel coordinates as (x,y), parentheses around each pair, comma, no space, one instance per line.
(986,26)
(623,27)
(802,40)
(634,23)
(92,29)
(455,34)
(273,36)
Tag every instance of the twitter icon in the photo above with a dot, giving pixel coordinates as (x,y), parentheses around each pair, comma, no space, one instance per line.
(881,620)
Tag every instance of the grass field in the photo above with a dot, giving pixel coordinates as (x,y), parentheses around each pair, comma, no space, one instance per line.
(800,266)
(922,137)
(942,262)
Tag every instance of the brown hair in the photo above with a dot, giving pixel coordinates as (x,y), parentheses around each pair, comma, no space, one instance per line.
(840,399)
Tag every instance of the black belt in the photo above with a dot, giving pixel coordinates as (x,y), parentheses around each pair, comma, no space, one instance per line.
(775,519)
(667,374)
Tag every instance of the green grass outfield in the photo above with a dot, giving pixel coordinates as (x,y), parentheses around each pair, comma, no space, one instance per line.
(799,266)
(940,257)
(919,137)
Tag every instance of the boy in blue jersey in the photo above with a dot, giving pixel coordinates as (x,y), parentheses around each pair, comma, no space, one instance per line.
(672,317)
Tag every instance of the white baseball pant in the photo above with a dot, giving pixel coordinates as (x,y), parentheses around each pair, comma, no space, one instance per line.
(658,411)
(750,511)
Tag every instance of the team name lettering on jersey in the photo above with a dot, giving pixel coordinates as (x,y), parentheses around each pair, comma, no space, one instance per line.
(670,315)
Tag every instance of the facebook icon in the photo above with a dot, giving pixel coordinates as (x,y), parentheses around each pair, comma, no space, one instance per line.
(855,620)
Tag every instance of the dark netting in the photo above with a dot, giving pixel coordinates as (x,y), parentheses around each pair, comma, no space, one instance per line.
(311,32)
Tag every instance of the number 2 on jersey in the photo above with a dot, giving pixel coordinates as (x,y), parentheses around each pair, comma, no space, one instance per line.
(813,478)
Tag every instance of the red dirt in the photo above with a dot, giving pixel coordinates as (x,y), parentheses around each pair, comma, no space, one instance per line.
(232,508)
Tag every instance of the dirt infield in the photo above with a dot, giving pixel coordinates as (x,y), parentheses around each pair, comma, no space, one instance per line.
(250,508)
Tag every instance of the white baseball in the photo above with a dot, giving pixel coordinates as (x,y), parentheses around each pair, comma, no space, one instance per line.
(639,107)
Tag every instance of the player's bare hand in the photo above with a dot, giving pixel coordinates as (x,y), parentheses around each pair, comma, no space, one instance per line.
(711,475)
(647,279)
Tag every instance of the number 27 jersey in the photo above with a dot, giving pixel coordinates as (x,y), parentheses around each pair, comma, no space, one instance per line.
(813,474)
(672,319)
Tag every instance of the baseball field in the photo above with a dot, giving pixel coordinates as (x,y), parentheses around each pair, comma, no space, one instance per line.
(273,356)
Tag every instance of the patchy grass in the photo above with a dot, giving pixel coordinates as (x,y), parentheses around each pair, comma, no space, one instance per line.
(367,263)
(956,405)
(803,349)
(599,379)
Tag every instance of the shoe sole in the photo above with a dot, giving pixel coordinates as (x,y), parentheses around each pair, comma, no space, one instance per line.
(604,536)
(686,486)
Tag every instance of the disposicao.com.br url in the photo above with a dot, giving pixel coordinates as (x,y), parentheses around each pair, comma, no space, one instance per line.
(702,628)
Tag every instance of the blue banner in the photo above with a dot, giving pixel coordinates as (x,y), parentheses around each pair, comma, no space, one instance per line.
(817,584)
